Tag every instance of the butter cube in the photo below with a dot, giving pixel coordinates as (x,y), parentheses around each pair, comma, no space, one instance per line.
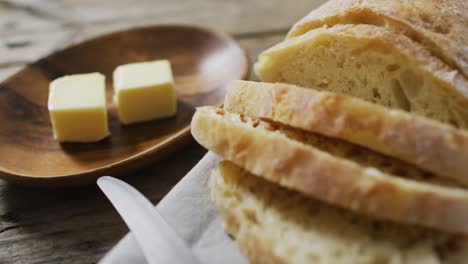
(144,91)
(77,108)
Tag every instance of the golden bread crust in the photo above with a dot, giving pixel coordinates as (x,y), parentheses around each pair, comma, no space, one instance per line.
(440,25)
(265,151)
(428,144)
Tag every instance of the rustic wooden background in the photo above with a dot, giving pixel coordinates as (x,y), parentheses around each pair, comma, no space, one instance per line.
(78,225)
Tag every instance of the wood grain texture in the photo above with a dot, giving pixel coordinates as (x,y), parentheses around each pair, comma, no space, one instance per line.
(203,62)
(232,16)
(85,225)
(76,225)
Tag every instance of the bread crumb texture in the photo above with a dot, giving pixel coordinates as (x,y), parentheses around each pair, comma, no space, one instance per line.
(371,63)
(274,225)
(438,25)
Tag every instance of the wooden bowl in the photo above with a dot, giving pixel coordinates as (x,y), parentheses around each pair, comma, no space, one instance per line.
(203,63)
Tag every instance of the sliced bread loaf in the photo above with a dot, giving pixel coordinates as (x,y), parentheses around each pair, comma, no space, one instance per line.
(431,145)
(332,170)
(441,26)
(275,225)
(371,63)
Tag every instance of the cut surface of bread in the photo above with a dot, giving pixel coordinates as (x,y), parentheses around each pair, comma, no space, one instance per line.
(431,145)
(441,26)
(371,63)
(275,225)
(333,171)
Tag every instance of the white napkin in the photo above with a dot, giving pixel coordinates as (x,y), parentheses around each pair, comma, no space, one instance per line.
(189,210)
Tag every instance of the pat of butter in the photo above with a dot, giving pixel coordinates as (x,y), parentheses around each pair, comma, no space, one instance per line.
(144,91)
(77,108)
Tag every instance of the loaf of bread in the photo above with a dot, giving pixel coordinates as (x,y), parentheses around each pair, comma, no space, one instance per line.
(441,26)
(275,225)
(416,140)
(333,171)
(372,63)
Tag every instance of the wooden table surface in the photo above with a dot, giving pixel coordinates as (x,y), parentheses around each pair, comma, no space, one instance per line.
(78,225)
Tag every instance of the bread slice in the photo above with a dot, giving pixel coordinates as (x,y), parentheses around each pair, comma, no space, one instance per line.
(275,225)
(371,63)
(441,26)
(431,145)
(333,171)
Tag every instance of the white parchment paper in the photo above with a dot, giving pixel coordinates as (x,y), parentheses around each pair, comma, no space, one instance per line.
(189,210)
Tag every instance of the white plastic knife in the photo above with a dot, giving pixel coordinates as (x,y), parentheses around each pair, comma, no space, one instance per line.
(159,242)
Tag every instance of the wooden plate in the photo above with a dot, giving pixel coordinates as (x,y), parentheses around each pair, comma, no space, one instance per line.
(203,63)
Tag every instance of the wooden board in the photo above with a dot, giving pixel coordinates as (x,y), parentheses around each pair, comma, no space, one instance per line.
(196,56)
(79,225)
